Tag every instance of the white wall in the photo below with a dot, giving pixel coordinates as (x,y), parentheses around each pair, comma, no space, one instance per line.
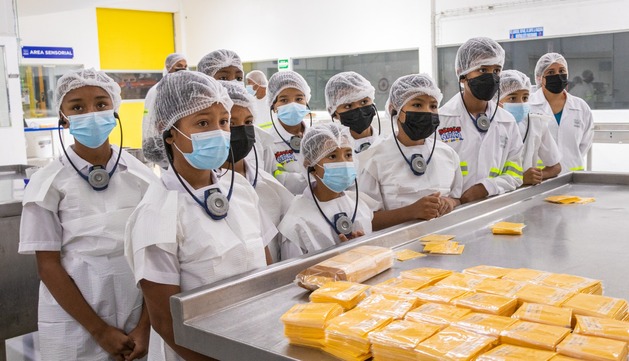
(13,145)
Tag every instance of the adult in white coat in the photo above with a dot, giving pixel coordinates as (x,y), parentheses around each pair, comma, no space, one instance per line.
(191,230)
(326,213)
(484,135)
(411,173)
(573,129)
(74,216)
(540,157)
(349,98)
(256,86)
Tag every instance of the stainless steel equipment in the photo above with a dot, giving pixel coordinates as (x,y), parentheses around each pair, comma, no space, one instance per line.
(239,319)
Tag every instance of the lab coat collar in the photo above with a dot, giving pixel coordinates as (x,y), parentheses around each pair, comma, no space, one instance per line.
(82,165)
(539,99)
(171,182)
(282,132)
(455,108)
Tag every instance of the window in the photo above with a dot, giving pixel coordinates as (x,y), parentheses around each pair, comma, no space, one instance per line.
(38,87)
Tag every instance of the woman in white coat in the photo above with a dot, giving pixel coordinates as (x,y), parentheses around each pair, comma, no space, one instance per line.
(74,216)
(573,129)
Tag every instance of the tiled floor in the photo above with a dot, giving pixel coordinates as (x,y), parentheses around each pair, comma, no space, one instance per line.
(23,348)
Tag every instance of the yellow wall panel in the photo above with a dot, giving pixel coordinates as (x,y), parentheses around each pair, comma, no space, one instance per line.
(134,40)
(131,118)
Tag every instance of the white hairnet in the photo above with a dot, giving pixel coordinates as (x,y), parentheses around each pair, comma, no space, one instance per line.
(409,86)
(544,62)
(512,81)
(322,139)
(86,77)
(477,52)
(171,60)
(258,77)
(347,87)
(217,60)
(284,80)
(180,94)
(238,94)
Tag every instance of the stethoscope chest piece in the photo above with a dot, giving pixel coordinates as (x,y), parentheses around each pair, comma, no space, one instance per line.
(216,203)
(343,223)
(363,147)
(483,122)
(418,164)
(295,143)
(98,178)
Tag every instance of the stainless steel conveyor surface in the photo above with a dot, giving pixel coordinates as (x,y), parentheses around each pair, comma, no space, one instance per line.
(240,319)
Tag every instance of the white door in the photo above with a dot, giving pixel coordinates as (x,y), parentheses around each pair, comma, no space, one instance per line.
(12,141)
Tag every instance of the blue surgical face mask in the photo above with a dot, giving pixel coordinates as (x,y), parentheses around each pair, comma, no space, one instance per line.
(250,90)
(92,129)
(338,176)
(518,110)
(292,113)
(209,149)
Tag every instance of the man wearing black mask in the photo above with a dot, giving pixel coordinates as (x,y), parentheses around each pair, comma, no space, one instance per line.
(485,136)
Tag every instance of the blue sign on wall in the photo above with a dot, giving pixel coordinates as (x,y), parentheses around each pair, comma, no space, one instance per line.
(47,52)
(526,33)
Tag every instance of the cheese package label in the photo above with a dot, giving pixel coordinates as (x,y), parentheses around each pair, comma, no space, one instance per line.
(515,353)
(535,335)
(546,314)
(593,348)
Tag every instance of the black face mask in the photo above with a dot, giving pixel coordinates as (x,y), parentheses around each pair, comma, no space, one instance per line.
(420,125)
(358,119)
(485,86)
(556,83)
(241,141)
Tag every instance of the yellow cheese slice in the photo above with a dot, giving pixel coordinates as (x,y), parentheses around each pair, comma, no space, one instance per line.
(395,306)
(438,294)
(462,281)
(436,314)
(398,286)
(346,294)
(487,303)
(545,295)
(597,306)
(454,344)
(487,271)
(562,199)
(526,274)
(508,228)
(437,238)
(515,353)
(546,314)
(402,334)
(573,283)
(593,348)
(407,254)
(602,327)
(484,324)
(535,335)
(429,274)
(498,286)
(447,248)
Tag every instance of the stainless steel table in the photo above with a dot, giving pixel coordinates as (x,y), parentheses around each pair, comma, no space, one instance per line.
(239,319)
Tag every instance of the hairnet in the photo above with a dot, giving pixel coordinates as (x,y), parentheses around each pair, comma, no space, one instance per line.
(512,81)
(347,87)
(217,60)
(284,80)
(86,77)
(322,139)
(409,86)
(238,94)
(173,59)
(477,52)
(179,95)
(258,77)
(544,62)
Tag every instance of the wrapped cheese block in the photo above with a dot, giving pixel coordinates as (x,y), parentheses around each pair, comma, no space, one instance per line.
(461,281)
(398,286)
(304,324)
(487,303)
(346,294)
(535,335)
(593,348)
(563,358)
(544,295)
(397,340)
(454,344)
(356,265)
(516,353)
(508,228)
(436,314)
(487,271)
(430,275)
(395,306)
(597,306)
(574,283)
(346,335)
(527,275)
(498,286)
(484,324)
(548,315)
(602,327)
(438,294)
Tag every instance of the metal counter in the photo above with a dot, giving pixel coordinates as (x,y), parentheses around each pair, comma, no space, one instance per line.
(239,319)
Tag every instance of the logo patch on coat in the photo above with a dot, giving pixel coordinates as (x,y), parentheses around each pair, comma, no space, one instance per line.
(450,134)
(285,156)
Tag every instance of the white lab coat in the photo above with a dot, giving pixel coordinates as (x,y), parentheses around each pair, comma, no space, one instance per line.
(170,239)
(63,213)
(494,158)
(262,116)
(540,149)
(373,139)
(306,230)
(575,132)
(388,179)
(287,167)
(264,147)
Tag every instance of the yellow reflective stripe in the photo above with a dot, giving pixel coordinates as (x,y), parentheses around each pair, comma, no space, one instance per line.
(540,164)
(494,172)
(576,169)
(464,169)
(266,125)
(513,169)
(280,169)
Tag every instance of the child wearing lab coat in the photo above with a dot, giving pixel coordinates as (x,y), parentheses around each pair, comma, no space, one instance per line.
(484,135)
(412,174)
(74,216)
(191,230)
(573,128)
(540,157)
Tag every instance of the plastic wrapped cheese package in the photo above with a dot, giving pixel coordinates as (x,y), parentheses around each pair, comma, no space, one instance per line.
(498,286)
(461,281)
(397,340)
(438,294)
(597,306)
(545,295)
(593,348)
(527,275)
(398,286)
(602,327)
(487,303)
(508,228)
(484,324)
(395,306)
(574,283)
(437,314)
(546,314)
(346,335)
(516,353)
(535,335)
(563,358)
(428,274)
(487,271)
(304,323)
(454,344)
(346,294)
(356,265)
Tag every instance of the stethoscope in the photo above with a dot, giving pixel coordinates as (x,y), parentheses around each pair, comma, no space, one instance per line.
(481,123)
(528,125)
(417,163)
(215,203)
(97,177)
(295,141)
(342,224)
(255,178)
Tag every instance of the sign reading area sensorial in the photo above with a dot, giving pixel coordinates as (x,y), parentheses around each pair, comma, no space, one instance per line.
(47,52)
